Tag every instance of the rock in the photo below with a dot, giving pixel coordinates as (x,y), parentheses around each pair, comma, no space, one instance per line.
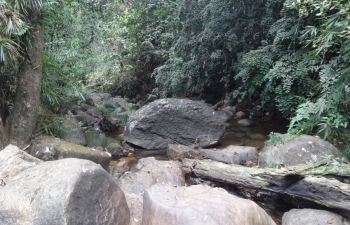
(68,191)
(246,123)
(231,110)
(312,217)
(148,172)
(93,98)
(107,126)
(228,101)
(122,165)
(330,193)
(179,152)
(49,148)
(240,115)
(85,118)
(173,121)
(300,150)
(199,205)
(13,161)
(115,149)
(83,107)
(94,112)
(118,102)
(224,116)
(232,154)
(95,137)
(226,113)
(74,133)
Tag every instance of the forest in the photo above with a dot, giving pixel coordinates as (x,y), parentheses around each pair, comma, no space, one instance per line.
(290,54)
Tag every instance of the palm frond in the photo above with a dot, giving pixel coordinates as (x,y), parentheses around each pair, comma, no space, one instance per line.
(9,51)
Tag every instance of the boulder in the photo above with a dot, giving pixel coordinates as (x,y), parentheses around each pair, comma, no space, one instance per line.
(68,191)
(73,131)
(240,115)
(94,112)
(232,154)
(174,121)
(246,123)
(324,191)
(226,113)
(13,161)
(199,205)
(115,149)
(300,150)
(107,126)
(85,118)
(93,98)
(118,103)
(95,137)
(121,166)
(312,217)
(148,172)
(49,148)
(224,116)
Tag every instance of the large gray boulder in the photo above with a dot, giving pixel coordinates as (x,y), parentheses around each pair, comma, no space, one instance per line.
(199,205)
(49,148)
(174,121)
(312,217)
(296,151)
(68,191)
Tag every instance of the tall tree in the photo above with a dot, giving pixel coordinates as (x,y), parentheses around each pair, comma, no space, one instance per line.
(18,128)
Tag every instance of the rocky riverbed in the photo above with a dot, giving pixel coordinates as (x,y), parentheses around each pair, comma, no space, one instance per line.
(200,182)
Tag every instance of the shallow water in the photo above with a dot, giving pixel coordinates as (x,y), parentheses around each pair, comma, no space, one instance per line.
(235,135)
(254,136)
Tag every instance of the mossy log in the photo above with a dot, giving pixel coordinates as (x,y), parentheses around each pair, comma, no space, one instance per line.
(317,183)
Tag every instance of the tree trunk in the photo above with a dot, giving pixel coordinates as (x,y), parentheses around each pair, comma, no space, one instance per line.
(317,183)
(3,136)
(27,101)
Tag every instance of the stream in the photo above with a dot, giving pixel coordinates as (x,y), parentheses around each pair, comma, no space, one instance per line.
(234,135)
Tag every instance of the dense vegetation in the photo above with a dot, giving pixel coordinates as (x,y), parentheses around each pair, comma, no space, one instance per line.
(290,54)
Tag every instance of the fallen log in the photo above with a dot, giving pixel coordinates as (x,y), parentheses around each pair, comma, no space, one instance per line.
(319,183)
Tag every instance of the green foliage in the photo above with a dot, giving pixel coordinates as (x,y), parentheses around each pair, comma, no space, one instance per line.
(49,123)
(123,119)
(276,138)
(135,39)
(332,163)
(328,39)
(276,165)
(347,151)
(214,34)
